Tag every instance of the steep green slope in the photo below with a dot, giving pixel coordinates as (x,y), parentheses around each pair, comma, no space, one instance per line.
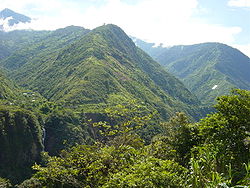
(20,132)
(98,67)
(25,133)
(21,142)
(13,95)
(8,91)
(202,67)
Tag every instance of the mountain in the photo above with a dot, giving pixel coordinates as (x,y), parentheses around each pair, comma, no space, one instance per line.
(95,68)
(208,69)
(80,73)
(150,48)
(23,46)
(20,40)
(13,41)
(9,18)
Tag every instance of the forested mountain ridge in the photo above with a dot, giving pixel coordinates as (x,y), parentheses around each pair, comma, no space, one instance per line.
(208,69)
(24,46)
(93,67)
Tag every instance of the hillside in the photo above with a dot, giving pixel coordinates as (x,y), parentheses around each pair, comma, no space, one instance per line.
(25,120)
(208,70)
(95,68)
(8,91)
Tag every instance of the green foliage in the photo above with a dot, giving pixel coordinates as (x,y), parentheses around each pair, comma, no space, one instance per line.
(211,160)
(83,69)
(64,129)
(162,148)
(9,93)
(230,127)
(150,172)
(177,140)
(124,121)
(123,166)
(224,143)
(204,168)
(85,166)
(31,183)
(121,162)
(21,142)
(4,183)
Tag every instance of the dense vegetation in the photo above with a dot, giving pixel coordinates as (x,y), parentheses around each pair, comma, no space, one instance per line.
(21,142)
(203,66)
(8,92)
(211,153)
(88,69)
(97,111)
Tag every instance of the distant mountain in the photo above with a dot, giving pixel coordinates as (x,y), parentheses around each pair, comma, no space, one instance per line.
(151,48)
(9,18)
(208,70)
(12,41)
(95,68)
(22,45)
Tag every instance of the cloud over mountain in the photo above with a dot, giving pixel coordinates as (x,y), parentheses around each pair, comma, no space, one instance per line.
(10,19)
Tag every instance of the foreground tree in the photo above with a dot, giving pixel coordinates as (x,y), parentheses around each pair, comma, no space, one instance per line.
(224,149)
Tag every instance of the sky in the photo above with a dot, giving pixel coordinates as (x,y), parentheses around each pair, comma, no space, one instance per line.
(170,22)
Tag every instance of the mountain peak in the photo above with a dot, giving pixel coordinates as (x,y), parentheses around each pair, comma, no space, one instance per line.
(116,37)
(7,10)
(9,18)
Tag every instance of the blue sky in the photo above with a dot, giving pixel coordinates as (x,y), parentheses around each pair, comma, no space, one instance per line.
(171,22)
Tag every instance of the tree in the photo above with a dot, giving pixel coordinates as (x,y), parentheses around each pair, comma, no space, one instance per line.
(150,172)
(5,183)
(124,121)
(227,131)
(177,140)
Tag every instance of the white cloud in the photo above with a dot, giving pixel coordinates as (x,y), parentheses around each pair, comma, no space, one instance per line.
(239,3)
(37,24)
(5,22)
(160,21)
